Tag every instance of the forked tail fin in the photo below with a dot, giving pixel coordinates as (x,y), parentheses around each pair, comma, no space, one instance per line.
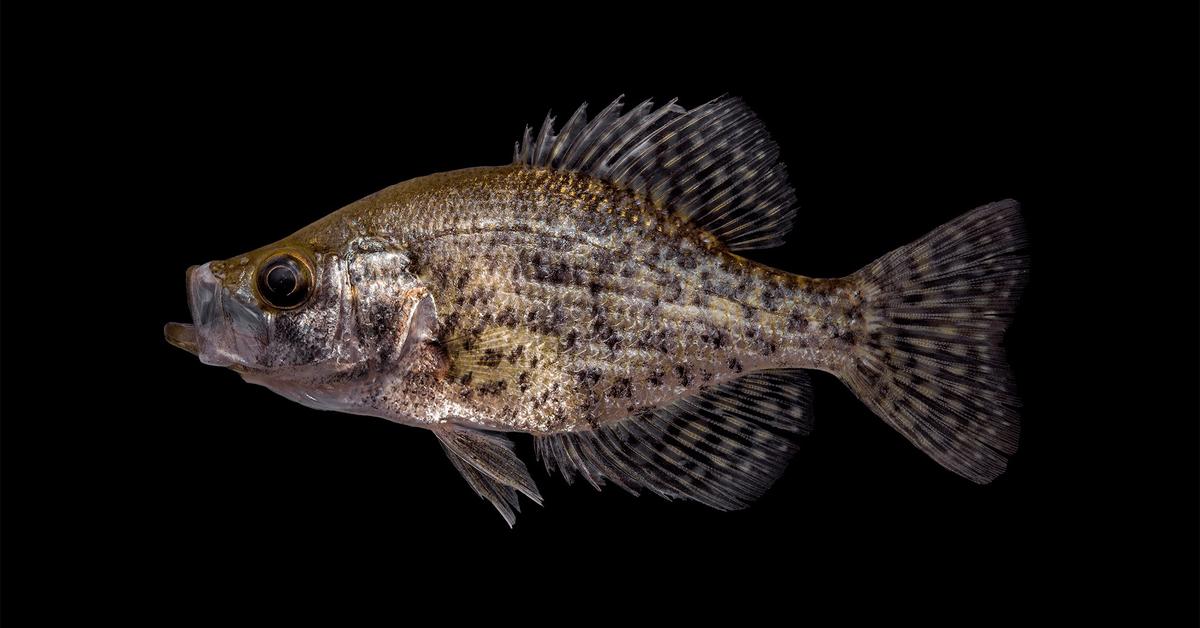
(931,364)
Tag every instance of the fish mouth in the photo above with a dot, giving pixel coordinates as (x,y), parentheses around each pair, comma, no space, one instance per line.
(224,330)
(183,335)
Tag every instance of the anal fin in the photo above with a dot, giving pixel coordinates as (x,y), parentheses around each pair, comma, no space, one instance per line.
(722,447)
(488,463)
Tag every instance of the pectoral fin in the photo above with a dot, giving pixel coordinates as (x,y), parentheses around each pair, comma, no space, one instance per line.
(488,463)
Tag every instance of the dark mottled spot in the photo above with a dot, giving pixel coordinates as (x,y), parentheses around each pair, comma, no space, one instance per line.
(465,380)
(600,325)
(605,265)
(484,320)
(735,365)
(491,358)
(516,354)
(558,316)
(559,274)
(768,298)
(587,376)
(570,339)
(507,317)
(621,389)
(523,381)
(673,292)
(683,374)
(594,288)
(493,388)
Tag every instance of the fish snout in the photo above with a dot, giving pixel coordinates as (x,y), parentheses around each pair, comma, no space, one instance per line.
(224,331)
(183,335)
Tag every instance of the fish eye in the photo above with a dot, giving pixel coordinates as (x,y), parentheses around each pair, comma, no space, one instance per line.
(284,281)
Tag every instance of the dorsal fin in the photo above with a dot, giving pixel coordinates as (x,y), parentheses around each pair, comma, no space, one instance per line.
(715,164)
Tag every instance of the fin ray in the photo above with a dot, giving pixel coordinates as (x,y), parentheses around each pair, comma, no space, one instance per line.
(490,466)
(722,447)
(932,364)
(715,164)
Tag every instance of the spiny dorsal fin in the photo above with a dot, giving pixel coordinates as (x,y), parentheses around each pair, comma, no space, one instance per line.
(487,462)
(715,164)
(722,447)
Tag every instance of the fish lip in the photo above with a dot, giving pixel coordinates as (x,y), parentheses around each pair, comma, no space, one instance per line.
(183,336)
(223,331)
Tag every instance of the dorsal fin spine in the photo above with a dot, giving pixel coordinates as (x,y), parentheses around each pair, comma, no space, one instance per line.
(714,165)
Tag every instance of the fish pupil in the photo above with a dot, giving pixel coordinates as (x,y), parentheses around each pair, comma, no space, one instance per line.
(283,282)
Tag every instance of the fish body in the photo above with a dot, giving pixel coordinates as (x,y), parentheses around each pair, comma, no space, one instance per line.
(593,294)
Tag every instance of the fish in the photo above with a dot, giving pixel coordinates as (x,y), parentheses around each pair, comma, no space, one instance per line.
(596,294)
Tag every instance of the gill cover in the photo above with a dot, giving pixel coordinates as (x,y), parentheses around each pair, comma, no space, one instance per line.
(319,327)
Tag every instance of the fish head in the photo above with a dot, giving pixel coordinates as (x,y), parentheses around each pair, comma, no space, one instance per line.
(319,325)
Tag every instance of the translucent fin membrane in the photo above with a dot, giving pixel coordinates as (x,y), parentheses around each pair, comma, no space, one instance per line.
(714,164)
(932,364)
(723,447)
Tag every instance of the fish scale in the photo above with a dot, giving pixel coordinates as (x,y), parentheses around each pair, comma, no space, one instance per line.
(584,278)
(595,295)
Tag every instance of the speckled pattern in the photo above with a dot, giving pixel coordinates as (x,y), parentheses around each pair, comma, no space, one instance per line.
(564,302)
(592,294)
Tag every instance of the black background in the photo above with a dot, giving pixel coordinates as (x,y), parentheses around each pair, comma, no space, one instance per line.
(140,483)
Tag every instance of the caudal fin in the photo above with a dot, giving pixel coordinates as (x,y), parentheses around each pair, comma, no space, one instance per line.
(931,364)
